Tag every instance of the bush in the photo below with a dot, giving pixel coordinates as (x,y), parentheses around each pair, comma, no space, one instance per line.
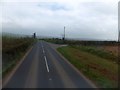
(12,50)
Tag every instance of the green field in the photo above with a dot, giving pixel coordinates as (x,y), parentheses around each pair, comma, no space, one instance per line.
(13,48)
(96,64)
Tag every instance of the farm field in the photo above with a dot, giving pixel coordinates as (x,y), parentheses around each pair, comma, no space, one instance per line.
(112,48)
(98,65)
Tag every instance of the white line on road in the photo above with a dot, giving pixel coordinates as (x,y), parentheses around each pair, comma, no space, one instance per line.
(43,50)
(41,44)
(50,79)
(46,64)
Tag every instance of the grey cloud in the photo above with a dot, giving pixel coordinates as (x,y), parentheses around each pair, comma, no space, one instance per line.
(85,20)
(52,6)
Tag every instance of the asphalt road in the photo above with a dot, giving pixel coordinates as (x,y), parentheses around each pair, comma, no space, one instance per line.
(44,68)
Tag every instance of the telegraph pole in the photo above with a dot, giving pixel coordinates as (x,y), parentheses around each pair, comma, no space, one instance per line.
(64,35)
(64,32)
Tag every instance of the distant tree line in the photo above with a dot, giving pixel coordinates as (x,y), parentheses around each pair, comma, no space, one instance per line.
(81,42)
(93,42)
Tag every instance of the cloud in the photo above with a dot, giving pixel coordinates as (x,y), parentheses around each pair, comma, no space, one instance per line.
(96,20)
(52,6)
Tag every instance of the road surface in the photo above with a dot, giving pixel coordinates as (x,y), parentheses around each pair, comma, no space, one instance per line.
(44,68)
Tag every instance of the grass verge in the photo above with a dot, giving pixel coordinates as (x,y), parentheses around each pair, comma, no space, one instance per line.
(13,49)
(97,51)
(100,70)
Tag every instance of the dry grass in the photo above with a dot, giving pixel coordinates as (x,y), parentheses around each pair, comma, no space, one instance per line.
(103,72)
(112,49)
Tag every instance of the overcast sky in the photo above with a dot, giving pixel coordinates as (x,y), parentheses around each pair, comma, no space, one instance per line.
(84,19)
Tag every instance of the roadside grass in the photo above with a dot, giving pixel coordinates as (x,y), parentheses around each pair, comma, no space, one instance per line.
(97,51)
(101,71)
(12,51)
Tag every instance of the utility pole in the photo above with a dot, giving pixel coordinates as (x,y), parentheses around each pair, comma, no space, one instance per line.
(64,32)
(64,36)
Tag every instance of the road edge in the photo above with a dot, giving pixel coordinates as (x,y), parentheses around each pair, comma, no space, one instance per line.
(7,77)
(78,71)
